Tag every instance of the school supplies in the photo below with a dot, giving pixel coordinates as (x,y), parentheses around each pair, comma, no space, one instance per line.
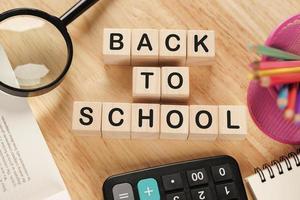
(278,180)
(214,178)
(274,64)
(282,99)
(27,169)
(278,74)
(47,38)
(279,80)
(292,99)
(278,71)
(262,101)
(274,52)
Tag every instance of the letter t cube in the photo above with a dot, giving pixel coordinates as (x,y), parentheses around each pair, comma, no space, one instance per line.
(146,83)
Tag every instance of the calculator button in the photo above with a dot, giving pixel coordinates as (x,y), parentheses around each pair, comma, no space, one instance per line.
(227,191)
(123,192)
(222,173)
(197,177)
(172,182)
(176,196)
(148,189)
(201,194)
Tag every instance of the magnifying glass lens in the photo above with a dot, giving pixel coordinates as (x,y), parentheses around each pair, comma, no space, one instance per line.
(36,51)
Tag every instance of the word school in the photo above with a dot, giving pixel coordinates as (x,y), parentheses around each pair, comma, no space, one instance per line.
(153,121)
(153,47)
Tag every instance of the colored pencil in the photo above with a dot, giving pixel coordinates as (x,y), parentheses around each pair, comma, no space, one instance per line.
(273,52)
(297,110)
(278,71)
(282,99)
(269,81)
(290,110)
(274,64)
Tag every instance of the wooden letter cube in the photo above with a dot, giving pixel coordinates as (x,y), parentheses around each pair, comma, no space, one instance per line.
(116,120)
(145,119)
(144,47)
(175,83)
(117,46)
(146,83)
(87,118)
(174,122)
(172,47)
(204,122)
(232,122)
(200,47)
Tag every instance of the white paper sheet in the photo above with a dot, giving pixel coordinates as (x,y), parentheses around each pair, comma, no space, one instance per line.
(27,169)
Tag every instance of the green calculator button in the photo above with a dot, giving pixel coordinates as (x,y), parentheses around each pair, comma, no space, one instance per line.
(148,189)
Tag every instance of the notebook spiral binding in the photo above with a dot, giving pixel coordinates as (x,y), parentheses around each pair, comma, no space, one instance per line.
(278,164)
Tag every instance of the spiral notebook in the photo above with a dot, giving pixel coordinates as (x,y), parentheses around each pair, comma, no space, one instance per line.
(278,180)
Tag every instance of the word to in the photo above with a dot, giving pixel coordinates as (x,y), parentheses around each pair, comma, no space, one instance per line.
(166,83)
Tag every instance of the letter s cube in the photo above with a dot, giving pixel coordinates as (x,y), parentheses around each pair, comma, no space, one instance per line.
(86,118)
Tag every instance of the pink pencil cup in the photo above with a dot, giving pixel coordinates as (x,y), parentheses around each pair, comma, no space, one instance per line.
(262,101)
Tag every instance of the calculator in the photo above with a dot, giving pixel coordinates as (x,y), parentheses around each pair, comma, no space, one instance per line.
(214,178)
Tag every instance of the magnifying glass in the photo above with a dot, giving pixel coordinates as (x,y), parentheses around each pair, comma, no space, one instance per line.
(38,47)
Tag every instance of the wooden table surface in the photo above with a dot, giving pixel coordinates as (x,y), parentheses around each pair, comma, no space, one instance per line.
(85,162)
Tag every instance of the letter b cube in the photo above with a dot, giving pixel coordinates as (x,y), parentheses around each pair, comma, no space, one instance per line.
(117,46)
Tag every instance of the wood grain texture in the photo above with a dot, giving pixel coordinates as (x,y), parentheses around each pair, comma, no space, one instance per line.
(85,162)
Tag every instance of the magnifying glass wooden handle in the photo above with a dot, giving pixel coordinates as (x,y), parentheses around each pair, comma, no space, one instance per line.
(77,10)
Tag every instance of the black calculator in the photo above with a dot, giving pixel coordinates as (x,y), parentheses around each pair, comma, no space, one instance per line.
(214,178)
